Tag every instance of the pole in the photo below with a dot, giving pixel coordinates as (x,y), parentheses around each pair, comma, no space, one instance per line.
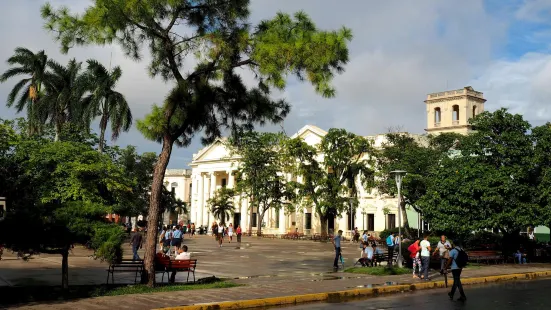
(399,259)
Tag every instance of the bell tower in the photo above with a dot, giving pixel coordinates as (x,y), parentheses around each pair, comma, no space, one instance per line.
(450,111)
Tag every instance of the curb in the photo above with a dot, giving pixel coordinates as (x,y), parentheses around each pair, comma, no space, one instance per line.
(355,293)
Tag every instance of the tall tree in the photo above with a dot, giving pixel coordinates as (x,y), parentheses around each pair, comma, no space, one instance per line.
(416,155)
(33,66)
(106,102)
(68,188)
(488,183)
(260,172)
(212,96)
(63,97)
(330,172)
(221,205)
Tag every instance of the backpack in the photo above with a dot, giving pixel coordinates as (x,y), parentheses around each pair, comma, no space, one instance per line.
(462,258)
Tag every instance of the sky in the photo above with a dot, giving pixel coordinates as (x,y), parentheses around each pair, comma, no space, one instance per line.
(401,51)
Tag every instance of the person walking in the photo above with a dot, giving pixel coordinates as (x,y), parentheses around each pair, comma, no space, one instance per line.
(414,249)
(177,238)
(238,231)
(221,230)
(443,248)
(337,244)
(425,257)
(390,246)
(230,233)
(457,260)
(136,242)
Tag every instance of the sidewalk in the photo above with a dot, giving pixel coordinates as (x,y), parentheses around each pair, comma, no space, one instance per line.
(271,286)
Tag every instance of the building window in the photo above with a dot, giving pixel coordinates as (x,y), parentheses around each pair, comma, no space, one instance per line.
(474,111)
(307,220)
(254,224)
(455,113)
(437,116)
(391,221)
(223,182)
(371,222)
(277,218)
(190,188)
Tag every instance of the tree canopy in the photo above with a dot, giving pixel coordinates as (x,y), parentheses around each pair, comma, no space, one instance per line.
(491,182)
(211,96)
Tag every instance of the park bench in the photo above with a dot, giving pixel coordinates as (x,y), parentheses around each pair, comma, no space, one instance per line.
(270,236)
(125,265)
(166,265)
(486,255)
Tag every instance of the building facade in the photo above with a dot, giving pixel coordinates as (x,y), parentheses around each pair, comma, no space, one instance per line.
(213,167)
(179,182)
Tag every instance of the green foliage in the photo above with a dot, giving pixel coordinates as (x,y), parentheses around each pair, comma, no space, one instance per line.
(105,102)
(489,183)
(221,205)
(483,240)
(63,191)
(414,155)
(330,183)
(259,171)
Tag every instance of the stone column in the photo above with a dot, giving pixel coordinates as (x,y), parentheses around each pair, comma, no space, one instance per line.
(212,189)
(231,179)
(202,198)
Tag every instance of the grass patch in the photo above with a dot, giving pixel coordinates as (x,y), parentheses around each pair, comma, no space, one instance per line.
(12,295)
(143,289)
(379,271)
(474,266)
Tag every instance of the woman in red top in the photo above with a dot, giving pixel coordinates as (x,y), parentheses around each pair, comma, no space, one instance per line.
(238,232)
(414,249)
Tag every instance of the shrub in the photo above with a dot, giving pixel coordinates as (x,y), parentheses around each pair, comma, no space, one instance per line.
(484,240)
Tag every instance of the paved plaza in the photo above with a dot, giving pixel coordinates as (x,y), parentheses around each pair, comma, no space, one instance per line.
(268,268)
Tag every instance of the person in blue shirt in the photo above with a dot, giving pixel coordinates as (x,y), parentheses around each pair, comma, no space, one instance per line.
(337,243)
(177,238)
(390,245)
(456,272)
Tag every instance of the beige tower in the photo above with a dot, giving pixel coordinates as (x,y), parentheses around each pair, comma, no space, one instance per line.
(450,111)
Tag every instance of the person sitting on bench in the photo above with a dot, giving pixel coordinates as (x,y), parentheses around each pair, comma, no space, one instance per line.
(183,254)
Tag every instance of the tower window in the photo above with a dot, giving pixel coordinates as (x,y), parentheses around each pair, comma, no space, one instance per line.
(437,115)
(455,113)
(474,110)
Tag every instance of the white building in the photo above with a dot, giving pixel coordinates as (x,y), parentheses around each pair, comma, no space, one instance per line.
(179,182)
(213,167)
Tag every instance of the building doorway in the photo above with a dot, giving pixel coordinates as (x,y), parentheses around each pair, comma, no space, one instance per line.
(236,219)
(371,222)
(331,225)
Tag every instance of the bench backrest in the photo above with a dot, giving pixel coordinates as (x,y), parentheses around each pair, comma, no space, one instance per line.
(483,253)
(182,264)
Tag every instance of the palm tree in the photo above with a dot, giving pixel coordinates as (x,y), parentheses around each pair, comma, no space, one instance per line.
(221,205)
(25,62)
(104,101)
(63,97)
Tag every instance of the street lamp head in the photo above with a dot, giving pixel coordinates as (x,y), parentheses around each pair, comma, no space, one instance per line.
(398,175)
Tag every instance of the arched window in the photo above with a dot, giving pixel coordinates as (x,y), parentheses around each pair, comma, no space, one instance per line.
(474,110)
(455,114)
(437,116)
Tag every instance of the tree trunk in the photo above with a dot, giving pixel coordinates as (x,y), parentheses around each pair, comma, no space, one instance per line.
(251,216)
(57,131)
(103,127)
(260,217)
(65,268)
(405,222)
(323,224)
(153,213)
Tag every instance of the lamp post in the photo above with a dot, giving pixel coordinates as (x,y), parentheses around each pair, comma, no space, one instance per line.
(398,176)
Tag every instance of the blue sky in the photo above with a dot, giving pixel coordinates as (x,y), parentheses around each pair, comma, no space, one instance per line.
(402,50)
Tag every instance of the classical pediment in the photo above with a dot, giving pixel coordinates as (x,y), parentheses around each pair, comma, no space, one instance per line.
(310,134)
(215,151)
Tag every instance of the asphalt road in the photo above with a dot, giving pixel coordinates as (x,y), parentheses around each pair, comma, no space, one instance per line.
(510,295)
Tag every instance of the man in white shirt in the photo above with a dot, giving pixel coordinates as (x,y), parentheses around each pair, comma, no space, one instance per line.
(183,254)
(425,257)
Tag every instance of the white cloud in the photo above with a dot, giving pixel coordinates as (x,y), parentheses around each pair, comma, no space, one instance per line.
(401,51)
(522,86)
